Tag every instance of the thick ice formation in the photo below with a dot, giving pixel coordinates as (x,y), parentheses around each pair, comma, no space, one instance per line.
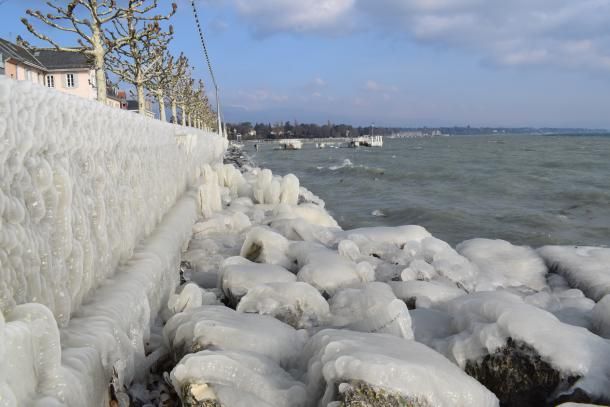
(388,364)
(586,268)
(398,236)
(236,379)
(264,245)
(601,317)
(298,304)
(503,265)
(425,294)
(238,276)
(326,270)
(219,327)
(485,321)
(372,307)
(80,185)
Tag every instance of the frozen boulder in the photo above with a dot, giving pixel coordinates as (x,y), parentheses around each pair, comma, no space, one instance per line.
(366,369)
(524,354)
(601,317)
(295,303)
(235,379)
(218,327)
(326,270)
(372,307)
(238,275)
(263,245)
(502,264)
(190,296)
(425,294)
(585,268)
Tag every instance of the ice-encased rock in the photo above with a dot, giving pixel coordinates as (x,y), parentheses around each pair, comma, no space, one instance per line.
(400,368)
(326,270)
(190,296)
(425,294)
(371,307)
(601,317)
(235,379)
(218,327)
(502,264)
(568,304)
(500,336)
(238,275)
(297,304)
(586,268)
(398,235)
(263,245)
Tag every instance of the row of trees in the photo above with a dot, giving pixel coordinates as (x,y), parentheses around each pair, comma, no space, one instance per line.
(129,39)
(302,130)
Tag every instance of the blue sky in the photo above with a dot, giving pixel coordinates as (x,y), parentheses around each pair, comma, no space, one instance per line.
(399,62)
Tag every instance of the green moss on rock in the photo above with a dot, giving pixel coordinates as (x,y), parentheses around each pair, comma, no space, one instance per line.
(360,394)
(518,376)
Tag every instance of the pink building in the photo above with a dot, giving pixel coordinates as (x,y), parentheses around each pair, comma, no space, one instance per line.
(68,72)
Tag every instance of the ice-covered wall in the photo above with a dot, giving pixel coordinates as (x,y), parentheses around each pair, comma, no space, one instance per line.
(80,185)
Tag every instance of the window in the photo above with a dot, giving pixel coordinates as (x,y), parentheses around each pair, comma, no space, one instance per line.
(70,82)
(50,81)
(28,74)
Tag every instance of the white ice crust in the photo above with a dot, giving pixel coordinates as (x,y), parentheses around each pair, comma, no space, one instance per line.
(298,304)
(219,327)
(486,320)
(393,364)
(586,268)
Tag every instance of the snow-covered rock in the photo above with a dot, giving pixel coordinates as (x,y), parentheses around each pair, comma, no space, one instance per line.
(263,245)
(502,264)
(326,270)
(585,268)
(601,317)
(525,354)
(235,379)
(371,307)
(386,367)
(239,275)
(297,304)
(219,327)
(425,294)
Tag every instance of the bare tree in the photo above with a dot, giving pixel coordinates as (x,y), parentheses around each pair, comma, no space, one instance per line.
(135,58)
(157,84)
(180,70)
(85,19)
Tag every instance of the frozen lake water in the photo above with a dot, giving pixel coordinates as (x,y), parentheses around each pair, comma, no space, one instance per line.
(533,190)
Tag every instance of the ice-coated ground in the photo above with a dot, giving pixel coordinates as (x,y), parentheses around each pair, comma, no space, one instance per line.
(131,259)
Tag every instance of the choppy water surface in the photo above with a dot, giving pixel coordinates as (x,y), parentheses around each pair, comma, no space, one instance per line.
(533,190)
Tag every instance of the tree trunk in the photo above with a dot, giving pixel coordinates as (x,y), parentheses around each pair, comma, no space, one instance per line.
(141,99)
(183,115)
(99,54)
(174,112)
(161,101)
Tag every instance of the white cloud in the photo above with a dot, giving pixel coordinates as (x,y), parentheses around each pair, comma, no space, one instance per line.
(374,86)
(269,16)
(572,33)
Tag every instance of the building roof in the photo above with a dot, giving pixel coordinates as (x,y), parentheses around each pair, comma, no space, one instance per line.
(55,59)
(19,53)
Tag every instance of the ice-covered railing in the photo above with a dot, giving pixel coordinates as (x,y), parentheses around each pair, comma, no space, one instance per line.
(80,185)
